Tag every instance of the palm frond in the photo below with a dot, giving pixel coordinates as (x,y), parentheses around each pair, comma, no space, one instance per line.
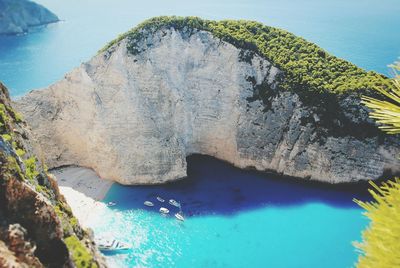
(385,112)
(380,246)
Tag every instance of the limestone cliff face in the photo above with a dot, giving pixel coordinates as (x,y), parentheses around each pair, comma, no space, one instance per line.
(37,228)
(135,117)
(17,16)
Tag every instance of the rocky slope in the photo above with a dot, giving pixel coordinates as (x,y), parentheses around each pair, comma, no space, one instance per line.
(173,87)
(37,228)
(17,16)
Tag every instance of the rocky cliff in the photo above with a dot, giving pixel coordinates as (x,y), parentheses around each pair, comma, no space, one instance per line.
(249,94)
(37,228)
(17,16)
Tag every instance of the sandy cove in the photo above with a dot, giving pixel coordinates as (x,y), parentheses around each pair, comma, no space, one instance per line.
(83,189)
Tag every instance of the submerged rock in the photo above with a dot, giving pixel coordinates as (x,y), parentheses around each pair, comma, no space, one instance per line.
(162,92)
(17,16)
(36,223)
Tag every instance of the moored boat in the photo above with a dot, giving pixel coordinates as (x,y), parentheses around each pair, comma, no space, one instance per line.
(179,216)
(164,210)
(160,199)
(148,203)
(111,204)
(111,245)
(174,203)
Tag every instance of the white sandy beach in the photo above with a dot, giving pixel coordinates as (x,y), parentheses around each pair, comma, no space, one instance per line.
(83,189)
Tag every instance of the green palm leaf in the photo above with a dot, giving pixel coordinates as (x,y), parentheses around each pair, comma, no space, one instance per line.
(387,113)
(380,247)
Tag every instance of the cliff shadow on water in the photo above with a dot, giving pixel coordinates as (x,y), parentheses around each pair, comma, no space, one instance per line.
(216,187)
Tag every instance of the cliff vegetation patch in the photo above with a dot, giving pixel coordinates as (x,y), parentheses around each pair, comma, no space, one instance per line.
(307,67)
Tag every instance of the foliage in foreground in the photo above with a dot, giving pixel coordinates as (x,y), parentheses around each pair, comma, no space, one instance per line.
(387,112)
(381,240)
(20,173)
(381,246)
(80,254)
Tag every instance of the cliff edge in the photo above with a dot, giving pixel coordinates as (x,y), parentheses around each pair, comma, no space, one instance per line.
(17,16)
(252,95)
(37,227)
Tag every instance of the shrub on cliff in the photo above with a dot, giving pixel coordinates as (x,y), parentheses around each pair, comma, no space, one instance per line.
(32,204)
(381,240)
(306,66)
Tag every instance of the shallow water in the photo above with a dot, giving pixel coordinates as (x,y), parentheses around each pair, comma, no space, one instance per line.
(364,32)
(235,218)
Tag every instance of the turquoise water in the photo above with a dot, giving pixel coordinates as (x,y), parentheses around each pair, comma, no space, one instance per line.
(362,31)
(235,218)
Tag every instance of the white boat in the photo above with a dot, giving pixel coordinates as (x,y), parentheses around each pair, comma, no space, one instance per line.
(160,199)
(111,245)
(179,216)
(164,210)
(174,203)
(111,204)
(148,203)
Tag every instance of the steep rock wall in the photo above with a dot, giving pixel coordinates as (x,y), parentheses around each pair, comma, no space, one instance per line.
(135,117)
(35,220)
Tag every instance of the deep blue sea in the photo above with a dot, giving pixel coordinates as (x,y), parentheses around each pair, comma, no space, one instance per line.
(233,218)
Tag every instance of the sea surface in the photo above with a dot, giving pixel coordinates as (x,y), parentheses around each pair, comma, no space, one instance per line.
(234,218)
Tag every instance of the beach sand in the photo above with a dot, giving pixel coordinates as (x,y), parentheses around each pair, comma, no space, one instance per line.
(83,189)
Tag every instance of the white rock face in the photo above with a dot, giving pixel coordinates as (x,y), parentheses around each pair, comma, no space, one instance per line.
(135,118)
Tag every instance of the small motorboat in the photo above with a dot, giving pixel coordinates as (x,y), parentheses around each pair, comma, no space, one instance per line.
(111,204)
(148,203)
(111,245)
(174,203)
(179,216)
(160,199)
(164,210)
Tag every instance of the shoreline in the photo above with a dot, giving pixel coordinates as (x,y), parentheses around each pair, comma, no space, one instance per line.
(83,189)
(83,180)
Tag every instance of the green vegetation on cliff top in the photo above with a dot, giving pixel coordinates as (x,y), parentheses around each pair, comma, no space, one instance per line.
(306,66)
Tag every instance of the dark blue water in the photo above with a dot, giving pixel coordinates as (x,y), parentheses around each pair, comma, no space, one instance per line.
(236,218)
(362,31)
(215,187)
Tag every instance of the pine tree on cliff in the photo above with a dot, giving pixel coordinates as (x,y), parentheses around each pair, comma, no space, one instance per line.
(381,240)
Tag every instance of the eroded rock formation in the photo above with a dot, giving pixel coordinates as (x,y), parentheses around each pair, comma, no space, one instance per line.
(135,117)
